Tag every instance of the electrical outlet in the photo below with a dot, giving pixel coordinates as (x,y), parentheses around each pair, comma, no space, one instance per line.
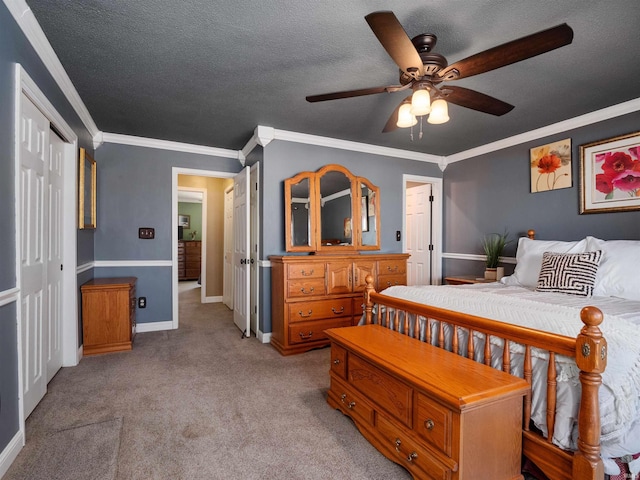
(146,233)
(142,302)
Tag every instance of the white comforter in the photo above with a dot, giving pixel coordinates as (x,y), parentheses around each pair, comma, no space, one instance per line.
(559,313)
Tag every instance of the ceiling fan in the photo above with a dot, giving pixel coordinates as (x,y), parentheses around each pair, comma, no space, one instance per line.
(425,72)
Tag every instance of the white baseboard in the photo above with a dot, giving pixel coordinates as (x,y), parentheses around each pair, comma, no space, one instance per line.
(153,326)
(263,337)
(10,452)
(217,299)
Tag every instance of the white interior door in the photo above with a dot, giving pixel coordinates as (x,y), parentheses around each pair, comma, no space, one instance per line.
(253,308)
(227,275)
(241,252)
(418,236)
(54,256)
(34,156)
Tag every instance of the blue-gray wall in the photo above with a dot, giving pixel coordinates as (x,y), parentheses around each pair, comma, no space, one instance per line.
(134,190)
(14,48)
(491,193)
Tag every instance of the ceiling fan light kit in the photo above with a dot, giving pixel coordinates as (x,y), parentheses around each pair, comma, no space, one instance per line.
(424,71)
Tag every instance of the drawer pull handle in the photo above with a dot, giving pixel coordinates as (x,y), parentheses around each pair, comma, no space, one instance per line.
(305,292)
(337,312)
(351,404)
(336,361)
(412,456)
(342,397)
(306,274)
(302,315)
(428,424)
(394,269)
(305,337)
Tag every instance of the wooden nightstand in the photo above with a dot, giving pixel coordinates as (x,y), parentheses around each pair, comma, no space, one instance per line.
(465,279)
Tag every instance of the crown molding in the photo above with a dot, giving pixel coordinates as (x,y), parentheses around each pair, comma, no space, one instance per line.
(308,139)
(31,28)
(560,127)
(166,145)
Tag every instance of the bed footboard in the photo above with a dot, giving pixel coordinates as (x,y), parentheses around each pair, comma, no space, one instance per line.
(588,349)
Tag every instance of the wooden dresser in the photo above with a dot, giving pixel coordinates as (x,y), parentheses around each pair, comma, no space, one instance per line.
(108,314)
(189,259)
(314,292)
(440,415)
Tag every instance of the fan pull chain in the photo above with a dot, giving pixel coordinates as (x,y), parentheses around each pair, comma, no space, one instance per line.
(412,133)
(420,134)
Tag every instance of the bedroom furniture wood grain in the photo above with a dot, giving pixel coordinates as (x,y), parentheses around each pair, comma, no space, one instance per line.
(108,314)
(465,280)
(310,294)
(439,415)
(589,349)
(189,259)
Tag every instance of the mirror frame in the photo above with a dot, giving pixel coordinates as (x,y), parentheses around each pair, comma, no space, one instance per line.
(288,183)
(366,210)
(315,219)
(87,191)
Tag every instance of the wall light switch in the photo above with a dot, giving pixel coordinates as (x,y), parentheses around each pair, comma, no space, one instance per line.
(398,235)
(146,233)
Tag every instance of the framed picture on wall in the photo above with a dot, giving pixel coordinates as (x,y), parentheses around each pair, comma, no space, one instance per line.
(184,221)
(610,174)
(551,166)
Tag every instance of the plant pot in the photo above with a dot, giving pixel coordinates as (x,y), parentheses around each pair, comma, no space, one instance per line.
(490,273)
(499,273)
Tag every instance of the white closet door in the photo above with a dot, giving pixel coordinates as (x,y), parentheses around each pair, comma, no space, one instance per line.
(418,221)
(33,218)
(241,253)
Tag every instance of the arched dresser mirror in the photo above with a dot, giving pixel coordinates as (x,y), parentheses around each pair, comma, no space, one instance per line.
(331,211)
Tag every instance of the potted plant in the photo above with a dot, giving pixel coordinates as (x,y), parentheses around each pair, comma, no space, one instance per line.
(493,246)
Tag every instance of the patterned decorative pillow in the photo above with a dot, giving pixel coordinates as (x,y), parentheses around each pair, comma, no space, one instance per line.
(573,273)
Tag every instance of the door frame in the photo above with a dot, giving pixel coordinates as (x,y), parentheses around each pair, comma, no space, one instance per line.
(175,171)
(436,220)
(203,245)
(71,352)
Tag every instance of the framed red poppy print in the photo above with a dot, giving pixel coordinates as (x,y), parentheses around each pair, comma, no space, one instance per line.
(610,175)
(551,166)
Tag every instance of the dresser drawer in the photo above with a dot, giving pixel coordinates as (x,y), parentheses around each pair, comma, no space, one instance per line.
(306,270)
(386,281)
(391,267)
(339,361)
(305,288)
(433,423)
(383,389)
(316,310)
(351,402)
(302,332)
(408,452)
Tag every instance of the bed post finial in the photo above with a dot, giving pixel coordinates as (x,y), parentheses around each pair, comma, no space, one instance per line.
(591,358)
(531,234)
(368,305)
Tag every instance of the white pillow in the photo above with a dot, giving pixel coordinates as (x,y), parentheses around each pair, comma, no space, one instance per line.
(619,271)
(529,259)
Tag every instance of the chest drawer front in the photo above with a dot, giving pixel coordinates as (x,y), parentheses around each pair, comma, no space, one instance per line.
(351,402)
(305,288)
(301,332)
(304,311)
(386,281)
(391,267)
(339,360)
(383,389)
(408,452)
(434,423)
(306,270)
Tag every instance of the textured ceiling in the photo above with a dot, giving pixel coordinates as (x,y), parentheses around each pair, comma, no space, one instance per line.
(207,72)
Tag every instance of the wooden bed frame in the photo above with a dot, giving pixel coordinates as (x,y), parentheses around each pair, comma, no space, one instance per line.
(589,349)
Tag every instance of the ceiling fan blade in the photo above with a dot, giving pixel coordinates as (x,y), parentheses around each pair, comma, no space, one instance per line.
(508,53)
(475,100)
(392,123)
(396,42)
(353,93)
